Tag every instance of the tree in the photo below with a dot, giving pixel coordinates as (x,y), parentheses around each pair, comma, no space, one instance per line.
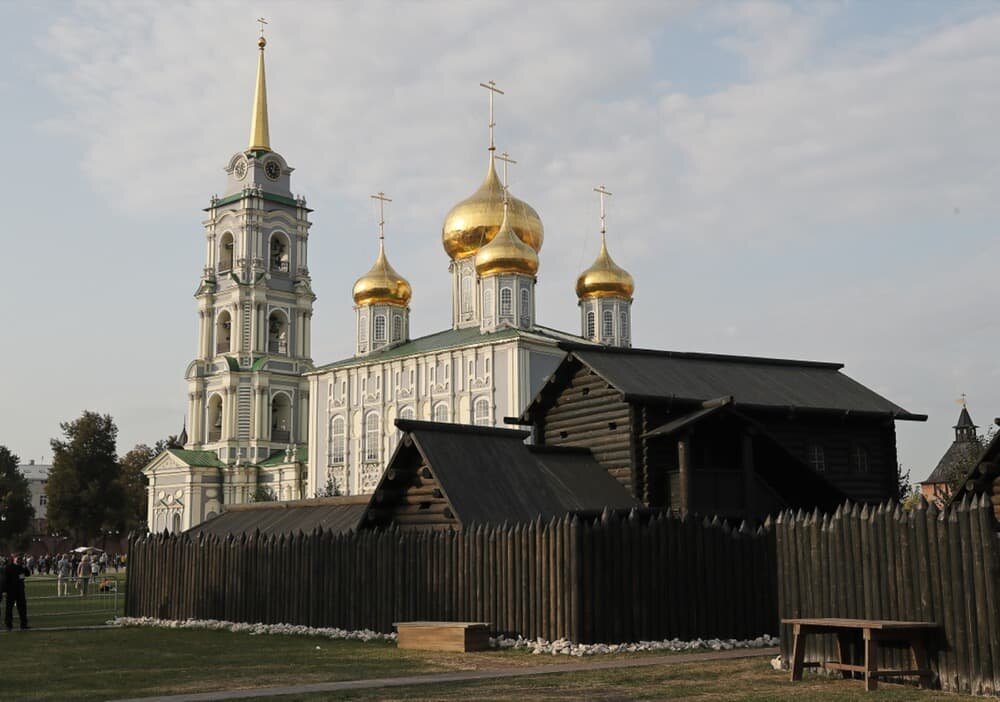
(16,511)
(86,496)
(134,484)
(262,493)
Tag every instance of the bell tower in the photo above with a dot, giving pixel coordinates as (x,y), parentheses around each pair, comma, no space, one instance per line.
(248,401)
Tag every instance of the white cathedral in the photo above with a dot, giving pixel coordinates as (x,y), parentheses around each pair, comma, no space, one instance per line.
(264,422)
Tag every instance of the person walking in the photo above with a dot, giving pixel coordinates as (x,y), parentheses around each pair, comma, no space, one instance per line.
(64,574)
(14,573)
(83,573)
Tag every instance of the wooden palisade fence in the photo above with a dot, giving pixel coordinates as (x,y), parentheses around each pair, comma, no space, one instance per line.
(604,580)
(886,563)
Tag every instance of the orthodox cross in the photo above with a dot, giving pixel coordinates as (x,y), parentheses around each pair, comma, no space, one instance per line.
(492,87)
(505,157)
(382,199)
(602,191)
(963,400)
(262,22)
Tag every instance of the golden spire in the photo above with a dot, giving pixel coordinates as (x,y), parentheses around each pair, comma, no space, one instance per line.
(382,284)
(604,278)
(259,138)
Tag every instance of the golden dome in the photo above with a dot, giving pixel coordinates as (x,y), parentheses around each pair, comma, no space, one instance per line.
(506,253)
(476,220)
(382,284)
(604,278)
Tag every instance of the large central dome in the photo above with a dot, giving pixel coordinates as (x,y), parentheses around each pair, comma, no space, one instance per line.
(474,221)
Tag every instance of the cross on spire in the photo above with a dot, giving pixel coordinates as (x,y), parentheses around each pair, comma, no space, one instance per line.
(492,87)
(505,157)
(262,22)
(603,192)
(382,199)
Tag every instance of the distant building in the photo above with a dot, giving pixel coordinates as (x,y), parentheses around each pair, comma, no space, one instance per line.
(956,461)
(38,477)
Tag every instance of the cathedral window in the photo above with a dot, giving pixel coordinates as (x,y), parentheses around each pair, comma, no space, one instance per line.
(405,413)
(607,324)
(506,302)
(362,330)
(412,377)
(281,418)
(397,327)
(817,459)
(590,325)
(380,328)
(223,333)
(277,333)
(215,418)
(525,305)
(372,436)
(338,440)
(467,294)
(481,412)
(624,325)
(488,303)
(278,253)
(226,252)
(441,412)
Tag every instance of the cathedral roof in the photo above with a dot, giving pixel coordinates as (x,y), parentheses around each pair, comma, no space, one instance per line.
(453,338)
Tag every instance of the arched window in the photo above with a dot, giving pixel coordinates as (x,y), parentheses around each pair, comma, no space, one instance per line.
(176,528)
(467,294)
(215,418)
(226,252)
(278,254)
(281,418)
(277,333)
(624,325)
(379,328)
(362,332)
(607,324)
(488,303)
(525,305)
(441,412)
(506,302)
(397,327)
(338,441)
(405,413)
(590,325)
(223,332)
(481,412)
(372,436)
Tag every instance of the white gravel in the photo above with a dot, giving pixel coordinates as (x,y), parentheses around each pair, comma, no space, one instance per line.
(535,646)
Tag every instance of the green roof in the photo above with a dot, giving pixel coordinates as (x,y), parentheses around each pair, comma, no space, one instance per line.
(452,338)
(236,197)
(278,457)
(198,458)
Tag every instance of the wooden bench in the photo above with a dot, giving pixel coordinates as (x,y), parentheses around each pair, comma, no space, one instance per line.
(443,636)
(873,632)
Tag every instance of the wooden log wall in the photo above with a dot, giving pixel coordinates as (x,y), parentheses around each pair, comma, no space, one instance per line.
(887,563)
(613,579)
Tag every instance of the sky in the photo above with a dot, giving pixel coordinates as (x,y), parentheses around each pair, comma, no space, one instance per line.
(811,180)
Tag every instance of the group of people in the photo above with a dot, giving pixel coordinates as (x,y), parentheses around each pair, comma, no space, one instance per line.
(49,565)
(12,576)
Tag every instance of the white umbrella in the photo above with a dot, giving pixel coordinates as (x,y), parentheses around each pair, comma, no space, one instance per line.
(87,549)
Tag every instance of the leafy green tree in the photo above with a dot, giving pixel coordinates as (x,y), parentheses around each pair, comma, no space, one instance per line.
(16,511)
(262,493)
(86,495)
(134,484)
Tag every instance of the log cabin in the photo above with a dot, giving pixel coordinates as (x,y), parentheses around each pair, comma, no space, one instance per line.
(734,436)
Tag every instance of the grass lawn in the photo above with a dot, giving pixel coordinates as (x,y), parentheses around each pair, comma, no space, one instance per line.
(46,609)
(115,663)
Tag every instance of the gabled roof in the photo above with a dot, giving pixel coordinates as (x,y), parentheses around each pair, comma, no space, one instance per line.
(490,476)
(336,514)
(665,376)
(207,459)
(453,338)
(960,453)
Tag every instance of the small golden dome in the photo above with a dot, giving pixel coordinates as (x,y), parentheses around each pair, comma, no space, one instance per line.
(506,253)
(382,284)
(604,278)
(474,221)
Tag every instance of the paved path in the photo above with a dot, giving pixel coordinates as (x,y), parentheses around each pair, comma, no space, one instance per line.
(437,678)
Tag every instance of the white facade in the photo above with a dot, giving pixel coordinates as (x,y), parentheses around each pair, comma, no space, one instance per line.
(37,475)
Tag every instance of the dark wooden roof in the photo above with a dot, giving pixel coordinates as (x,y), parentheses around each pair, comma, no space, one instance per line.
(666,376)
(490,476)
(958,454)
(336,514)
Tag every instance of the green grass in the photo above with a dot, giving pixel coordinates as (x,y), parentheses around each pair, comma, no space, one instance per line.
(114,663)
(46,609)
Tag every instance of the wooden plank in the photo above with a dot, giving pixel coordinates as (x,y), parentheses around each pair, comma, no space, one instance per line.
(460,637)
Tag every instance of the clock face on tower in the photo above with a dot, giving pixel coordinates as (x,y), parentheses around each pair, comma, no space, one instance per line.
(240,169)
(272,170)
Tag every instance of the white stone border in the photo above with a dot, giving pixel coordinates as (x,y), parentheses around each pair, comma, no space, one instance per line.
(535,646)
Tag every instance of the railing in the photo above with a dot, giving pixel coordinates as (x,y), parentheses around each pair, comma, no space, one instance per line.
(282,435)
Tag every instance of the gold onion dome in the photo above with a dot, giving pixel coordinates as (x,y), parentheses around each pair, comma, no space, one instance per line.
(382,284)
(506,253)
(604,278)
(474,221)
